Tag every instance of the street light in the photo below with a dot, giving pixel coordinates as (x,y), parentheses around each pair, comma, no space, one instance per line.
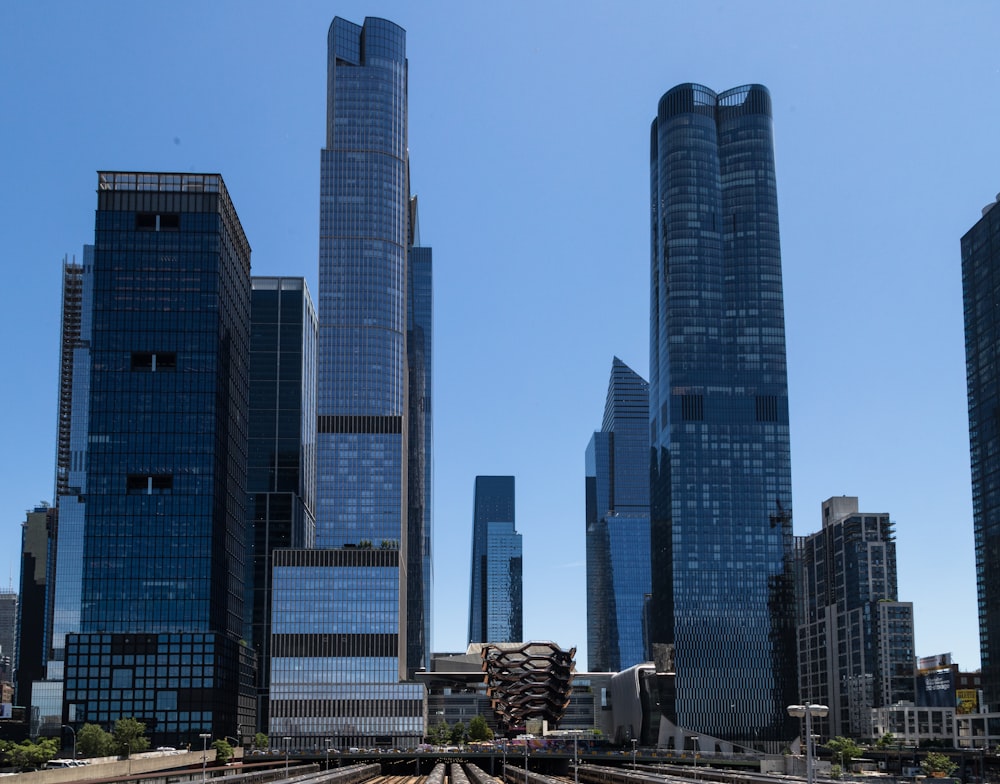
(694,749)
(66,726)
(328,741)
(525,736)
(204,755)
(807,710)
(287,741)
(634,741)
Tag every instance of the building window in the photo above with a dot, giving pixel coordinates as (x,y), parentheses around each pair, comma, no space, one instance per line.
(148,484)
(151,362)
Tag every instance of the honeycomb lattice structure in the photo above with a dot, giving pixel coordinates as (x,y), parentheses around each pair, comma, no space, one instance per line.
(528,680)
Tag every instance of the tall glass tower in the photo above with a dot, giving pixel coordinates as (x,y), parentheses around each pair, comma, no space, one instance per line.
(164,548)
(496,610)
(720,485)
(364,420)
(281,472)
(981,291)
(617,488)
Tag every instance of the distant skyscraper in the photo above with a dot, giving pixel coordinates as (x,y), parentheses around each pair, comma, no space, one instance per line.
(720,493)
(364,421)
(34,611)
(8,635)
(281,474)
(164,550)
(981,291)
(856,647)
(419,310)
(617,489)
(496,612)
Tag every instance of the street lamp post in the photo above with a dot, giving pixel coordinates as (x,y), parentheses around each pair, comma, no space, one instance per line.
(66,726)
(503,750)
(634,742)
(808,710)
(204,755)
(328,741)
(694,749)
(287,741)
(525,758)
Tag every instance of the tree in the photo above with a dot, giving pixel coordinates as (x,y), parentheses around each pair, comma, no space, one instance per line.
(260,740)
(887,741)
(130,736)
(439,734)
(93,741)
(28,755)
(938,765)
(458,733)
(844,751)
(223,751)
(479,729)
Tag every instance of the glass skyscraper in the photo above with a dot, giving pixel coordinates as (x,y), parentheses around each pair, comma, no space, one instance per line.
(164,551)
(377,572)
(981,291)
(281,473)
(496,609)
(617,503)
(419,332)
(722,607)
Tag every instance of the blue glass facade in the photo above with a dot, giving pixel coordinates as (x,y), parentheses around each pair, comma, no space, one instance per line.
(281,473)
(373,429)
(720,484)
(71,452)
(165,544)
(617,504)
(981,293)
(419,333)
(496,611)
(335,663)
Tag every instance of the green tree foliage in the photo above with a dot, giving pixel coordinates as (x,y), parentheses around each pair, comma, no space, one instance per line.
(458,733)
(223,751)
(439,734)
(887,741)
(93,741)
(936,764)
(130,736)
(479,729)
(260,740)
(28,755)
(844,750)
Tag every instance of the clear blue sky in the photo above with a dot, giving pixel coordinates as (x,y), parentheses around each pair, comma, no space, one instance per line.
(529,136)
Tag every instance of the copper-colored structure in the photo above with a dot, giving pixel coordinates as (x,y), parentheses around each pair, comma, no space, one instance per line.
(528,680)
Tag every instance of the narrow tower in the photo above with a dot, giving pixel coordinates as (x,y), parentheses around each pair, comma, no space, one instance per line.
(495,604)
(617,490)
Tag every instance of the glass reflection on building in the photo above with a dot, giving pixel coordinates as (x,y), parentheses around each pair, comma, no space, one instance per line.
(496,607)
(281,475)
(720,492)
(164,550)
(617,507)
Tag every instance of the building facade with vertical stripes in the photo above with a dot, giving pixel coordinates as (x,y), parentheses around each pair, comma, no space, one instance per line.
(720,484)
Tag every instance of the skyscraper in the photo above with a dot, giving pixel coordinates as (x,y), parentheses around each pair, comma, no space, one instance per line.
(34,610)
(281,472)
(855,638)
(496,611)
(419,356)
(720,482)
(617,489)
(364,421)
(164,549)
(980,291)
